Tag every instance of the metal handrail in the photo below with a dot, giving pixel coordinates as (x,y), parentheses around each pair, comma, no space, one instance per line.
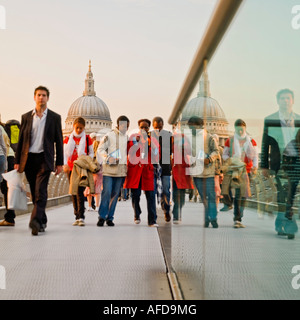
(217,27)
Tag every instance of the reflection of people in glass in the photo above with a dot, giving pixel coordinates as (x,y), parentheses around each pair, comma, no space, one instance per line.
(280,129)
(181,180)
(204,153)
(218,173)
(241,156)
(164,138)
(291,165)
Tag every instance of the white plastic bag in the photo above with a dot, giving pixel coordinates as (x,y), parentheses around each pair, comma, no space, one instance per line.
(16,195)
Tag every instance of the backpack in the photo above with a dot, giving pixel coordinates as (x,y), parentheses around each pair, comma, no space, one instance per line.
(12,128)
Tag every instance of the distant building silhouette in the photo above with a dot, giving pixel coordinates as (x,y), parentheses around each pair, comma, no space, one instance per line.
(207,108)
(90,107)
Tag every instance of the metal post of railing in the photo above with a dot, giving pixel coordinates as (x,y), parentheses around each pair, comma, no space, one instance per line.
(219,23)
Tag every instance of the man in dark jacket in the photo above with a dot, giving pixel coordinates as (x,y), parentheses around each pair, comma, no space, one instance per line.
(280,129)
(40,142)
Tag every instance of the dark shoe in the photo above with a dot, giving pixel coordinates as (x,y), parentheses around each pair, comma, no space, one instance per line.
(226,208)
(110,223)
(35,227)
(291,236)
(100,222)
(214,224)
(93,206)
(167,217)
(206,224)
(282,234)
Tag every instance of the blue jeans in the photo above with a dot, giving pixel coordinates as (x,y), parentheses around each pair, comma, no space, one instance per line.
(206,189)
(109,196)
(179,201)
(166,196)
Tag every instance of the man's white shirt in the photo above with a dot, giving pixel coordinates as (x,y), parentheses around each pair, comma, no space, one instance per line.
(37,132)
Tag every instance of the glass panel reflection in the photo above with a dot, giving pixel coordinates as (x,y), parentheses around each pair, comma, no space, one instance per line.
(239,220)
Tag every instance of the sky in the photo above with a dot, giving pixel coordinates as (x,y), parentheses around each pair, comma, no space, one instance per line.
(258,56)
(141,51)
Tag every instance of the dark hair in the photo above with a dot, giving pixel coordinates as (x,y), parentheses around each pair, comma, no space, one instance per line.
(144,120)
(240,123)
(158,120)
(79,120)
(283,91)
(196,121)
(42,88)
(123,118)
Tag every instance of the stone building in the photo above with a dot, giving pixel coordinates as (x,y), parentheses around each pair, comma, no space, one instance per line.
(207,108)
(90,107)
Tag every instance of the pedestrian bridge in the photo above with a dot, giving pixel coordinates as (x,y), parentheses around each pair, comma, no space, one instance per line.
(185,261)
(129,262)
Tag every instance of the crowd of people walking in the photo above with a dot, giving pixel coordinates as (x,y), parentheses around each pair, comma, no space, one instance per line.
(161,164)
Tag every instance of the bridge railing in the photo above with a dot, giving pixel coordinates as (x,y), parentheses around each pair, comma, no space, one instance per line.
(58,193)
(264,194)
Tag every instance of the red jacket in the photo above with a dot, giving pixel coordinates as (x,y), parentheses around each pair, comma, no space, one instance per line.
(179,165)
(140,169)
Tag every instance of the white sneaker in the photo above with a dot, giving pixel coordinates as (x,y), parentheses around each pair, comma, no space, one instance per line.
(238,224)
(76,222)
(81,223)
(153,225)
(97,209)
(90,209)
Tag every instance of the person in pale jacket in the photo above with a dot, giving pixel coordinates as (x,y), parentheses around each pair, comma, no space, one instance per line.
(202,160)
(112,153)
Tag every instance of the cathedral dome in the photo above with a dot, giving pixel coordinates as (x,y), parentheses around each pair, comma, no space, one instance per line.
(208,109)
(90,107)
